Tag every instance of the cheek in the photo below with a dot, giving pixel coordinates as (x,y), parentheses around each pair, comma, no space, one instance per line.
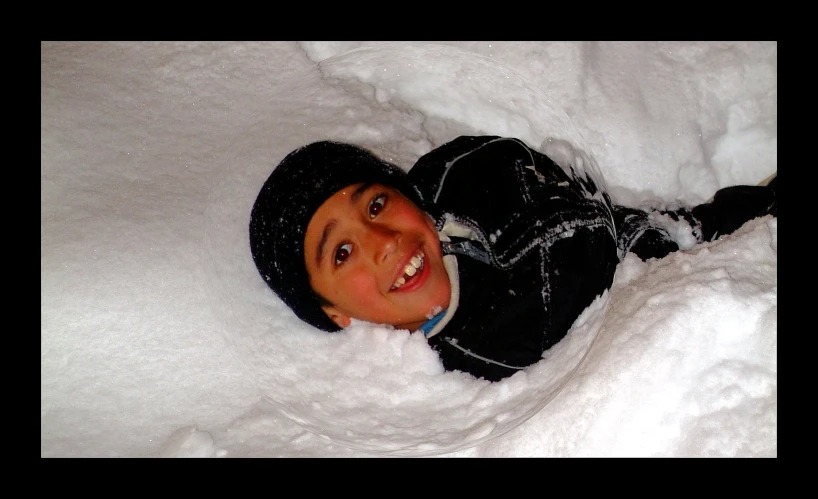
(356,287)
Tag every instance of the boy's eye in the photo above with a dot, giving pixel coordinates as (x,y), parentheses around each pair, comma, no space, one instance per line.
(342,253)
(376,205)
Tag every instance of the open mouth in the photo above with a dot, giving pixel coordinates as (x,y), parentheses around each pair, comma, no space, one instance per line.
(411,270)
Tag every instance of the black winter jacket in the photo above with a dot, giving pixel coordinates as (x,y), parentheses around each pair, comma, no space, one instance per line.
(528,246)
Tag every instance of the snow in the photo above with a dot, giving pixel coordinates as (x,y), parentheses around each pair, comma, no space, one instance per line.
(159,339)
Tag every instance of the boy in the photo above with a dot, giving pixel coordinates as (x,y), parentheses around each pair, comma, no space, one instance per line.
(487,246)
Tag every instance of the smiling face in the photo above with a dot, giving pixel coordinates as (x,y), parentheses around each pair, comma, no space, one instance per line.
(376,257)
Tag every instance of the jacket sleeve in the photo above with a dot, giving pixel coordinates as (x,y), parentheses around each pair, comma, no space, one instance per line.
(648,233)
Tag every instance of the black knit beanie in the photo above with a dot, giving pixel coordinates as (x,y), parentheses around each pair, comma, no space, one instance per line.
(296,188)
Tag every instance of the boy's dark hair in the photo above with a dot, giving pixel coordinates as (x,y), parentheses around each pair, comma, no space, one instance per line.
(303,180)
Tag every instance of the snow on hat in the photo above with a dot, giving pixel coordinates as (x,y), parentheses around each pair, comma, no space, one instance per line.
(295,189)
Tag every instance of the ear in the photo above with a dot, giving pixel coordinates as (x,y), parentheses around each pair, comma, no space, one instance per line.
(338,317)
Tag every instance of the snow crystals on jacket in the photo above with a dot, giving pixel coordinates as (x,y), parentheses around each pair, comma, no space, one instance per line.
(528,247)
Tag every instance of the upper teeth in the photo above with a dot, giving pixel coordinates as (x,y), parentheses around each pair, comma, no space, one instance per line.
(411,269)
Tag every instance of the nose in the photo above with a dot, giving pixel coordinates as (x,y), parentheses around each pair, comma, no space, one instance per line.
(381,241)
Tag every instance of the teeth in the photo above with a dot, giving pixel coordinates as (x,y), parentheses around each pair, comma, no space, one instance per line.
(411,269)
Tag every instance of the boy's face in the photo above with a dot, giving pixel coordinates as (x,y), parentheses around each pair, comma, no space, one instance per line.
(376,256)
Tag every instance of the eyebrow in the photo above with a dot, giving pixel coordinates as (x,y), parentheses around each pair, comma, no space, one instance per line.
(332,223)
(324,237)
(360,190)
